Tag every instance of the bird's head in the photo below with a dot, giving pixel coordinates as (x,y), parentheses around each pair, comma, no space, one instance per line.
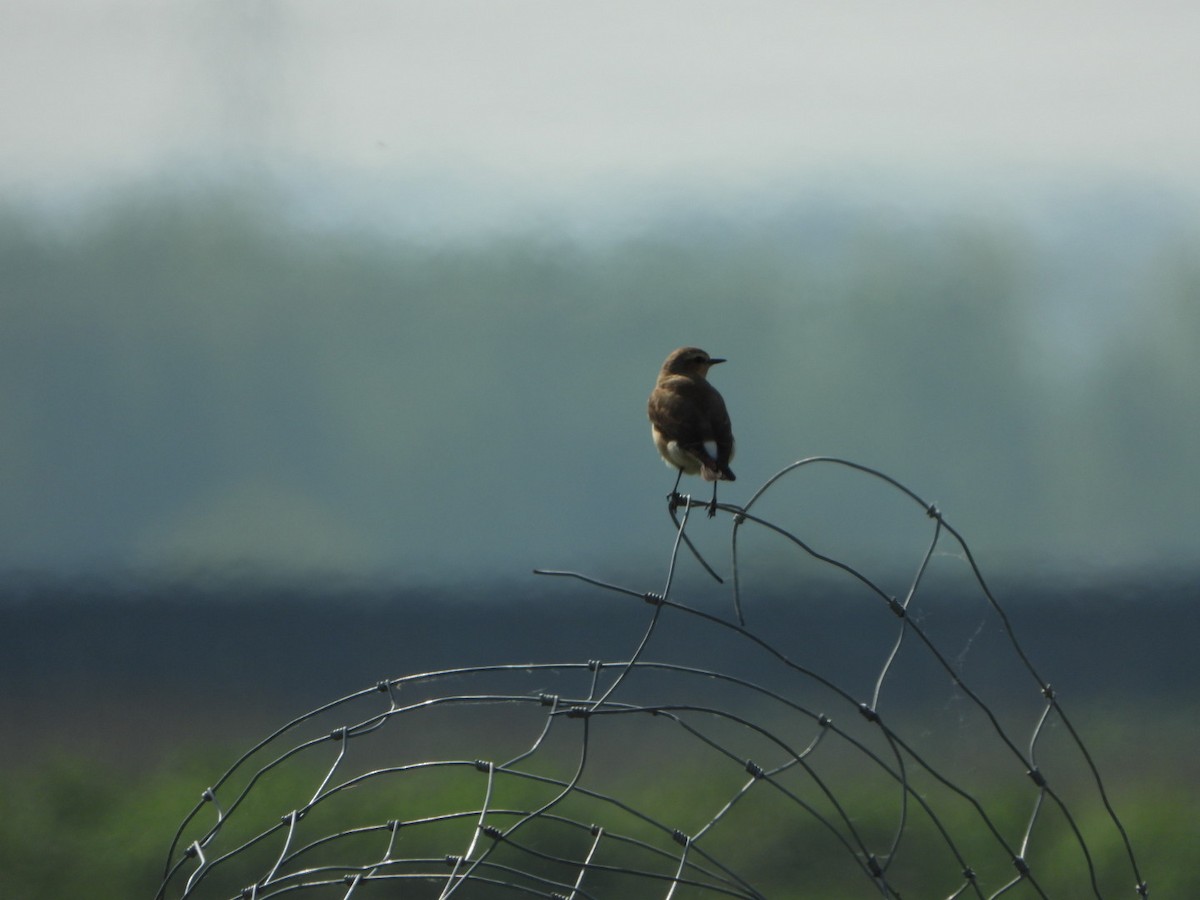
(690,361)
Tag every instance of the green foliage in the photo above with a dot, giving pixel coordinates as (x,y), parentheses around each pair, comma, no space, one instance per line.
(73,828)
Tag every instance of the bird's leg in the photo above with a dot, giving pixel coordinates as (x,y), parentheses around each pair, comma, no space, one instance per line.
(673,498)
(712,507)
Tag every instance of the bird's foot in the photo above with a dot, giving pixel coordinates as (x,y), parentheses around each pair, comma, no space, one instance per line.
(676,500)
(712,509)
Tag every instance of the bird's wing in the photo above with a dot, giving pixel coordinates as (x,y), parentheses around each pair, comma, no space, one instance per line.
(681,412)
(721,430)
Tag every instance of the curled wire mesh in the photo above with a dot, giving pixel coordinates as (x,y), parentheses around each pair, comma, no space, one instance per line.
(741,773)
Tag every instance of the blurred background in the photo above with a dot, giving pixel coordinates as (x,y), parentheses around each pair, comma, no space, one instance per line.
(313,310)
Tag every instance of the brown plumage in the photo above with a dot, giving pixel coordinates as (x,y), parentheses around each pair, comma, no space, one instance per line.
(688,419)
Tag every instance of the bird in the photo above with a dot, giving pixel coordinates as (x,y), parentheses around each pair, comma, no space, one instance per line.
(689,422)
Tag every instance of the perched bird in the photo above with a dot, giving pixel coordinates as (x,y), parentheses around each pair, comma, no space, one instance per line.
(688,420)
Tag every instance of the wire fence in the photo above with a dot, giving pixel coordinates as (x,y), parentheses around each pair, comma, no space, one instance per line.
(734,770)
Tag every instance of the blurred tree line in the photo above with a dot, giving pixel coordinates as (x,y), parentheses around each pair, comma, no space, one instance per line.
(1040,378)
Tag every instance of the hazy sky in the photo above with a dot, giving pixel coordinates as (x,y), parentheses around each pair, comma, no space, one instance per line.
(544,93)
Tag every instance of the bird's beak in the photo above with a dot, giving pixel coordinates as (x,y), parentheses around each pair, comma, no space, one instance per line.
(713,362)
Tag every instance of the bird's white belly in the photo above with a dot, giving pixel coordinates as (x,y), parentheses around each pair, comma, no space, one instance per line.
(678,458)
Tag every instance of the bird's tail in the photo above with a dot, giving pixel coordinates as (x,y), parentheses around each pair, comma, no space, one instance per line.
(723,474)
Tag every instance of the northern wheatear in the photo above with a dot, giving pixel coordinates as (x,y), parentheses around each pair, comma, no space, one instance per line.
(689,422)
